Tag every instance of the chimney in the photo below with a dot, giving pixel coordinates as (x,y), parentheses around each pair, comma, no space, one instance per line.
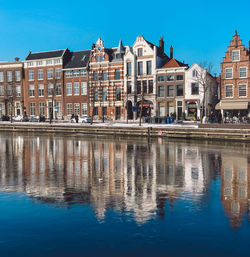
(161,45)
(17,59)
(171,52)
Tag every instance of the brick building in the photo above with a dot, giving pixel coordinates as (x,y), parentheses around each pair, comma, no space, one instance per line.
(43,84)
(235,80)
(170,80)
(76,100)
(106,82)
(11,95)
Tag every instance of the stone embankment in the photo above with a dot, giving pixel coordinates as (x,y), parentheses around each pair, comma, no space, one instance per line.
(240,133)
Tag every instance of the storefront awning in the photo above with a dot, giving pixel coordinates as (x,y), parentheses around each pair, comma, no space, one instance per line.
(231,105)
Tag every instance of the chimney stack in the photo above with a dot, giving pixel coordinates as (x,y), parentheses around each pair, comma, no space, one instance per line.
(171,52)
(17,59)
(161,45)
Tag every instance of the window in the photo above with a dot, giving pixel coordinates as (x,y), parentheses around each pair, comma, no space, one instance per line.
(83,88)
(97,58)
(30,75)
(101,59)
(49,73)
(1,90)
(179,90)
(161,109)
(49,62)
(149,67)
(9,76)
(57,73)
(69,74)
(104,75)
(170,91)
(95,94)
(50,89)
(39,63)
(59,108)
(83,73)
(9,90)
(40,90)
(84,109)
(76,109)
(235,55)
(195,74)
(161,91)
(179,77)
(150,86)
(129,68)
(228,73)
(32,108)
(140,68)
(57,61)
(194,89)
(160,78)
(138,87)
(140,51)
(69,88)
(69,109)
(40,75)
(1,77)
(95,76)
(17,76)
(170,78)
(243,72)
(145,86)
(229,91)
(58,89)
(104,94)
(118,94)
(18,91)
(41,108)
(95,111)
(118,56)
(76,88)
(76,73)
(31,90)
(30,64)
(117,74)
(242,90)
(129,87)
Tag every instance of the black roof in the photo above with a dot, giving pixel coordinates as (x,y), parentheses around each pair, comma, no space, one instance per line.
(78,59)
(45,55)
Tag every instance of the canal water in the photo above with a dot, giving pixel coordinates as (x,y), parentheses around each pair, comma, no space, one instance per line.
(94,196)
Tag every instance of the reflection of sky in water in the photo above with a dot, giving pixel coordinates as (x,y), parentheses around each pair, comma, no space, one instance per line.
(107,193)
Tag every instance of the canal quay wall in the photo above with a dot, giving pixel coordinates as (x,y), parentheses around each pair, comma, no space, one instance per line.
(233,132)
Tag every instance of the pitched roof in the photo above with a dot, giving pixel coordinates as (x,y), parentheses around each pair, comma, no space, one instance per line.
(45,55)
(173,63)
(78,59)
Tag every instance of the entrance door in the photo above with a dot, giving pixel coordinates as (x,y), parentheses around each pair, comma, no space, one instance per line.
(179,109)
(117,113)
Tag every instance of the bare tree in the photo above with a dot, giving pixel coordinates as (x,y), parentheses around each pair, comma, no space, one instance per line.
(205,80)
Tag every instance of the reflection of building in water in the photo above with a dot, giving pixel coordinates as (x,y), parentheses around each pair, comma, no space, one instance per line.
(138,178)
(235,186)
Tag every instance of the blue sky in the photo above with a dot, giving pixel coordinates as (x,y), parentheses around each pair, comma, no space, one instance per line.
(198,30)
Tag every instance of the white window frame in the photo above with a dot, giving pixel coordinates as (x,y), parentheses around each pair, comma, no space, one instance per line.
(84,90)
(69,109)
(235,60)
(240,71)
(69,85)
(76,88)
(226,91)
(32,89)
(84,109)
(40,74)
(17,75)
(1,76)
(226,73)
(242,84)
(50,73)
(9,76)
(40,90)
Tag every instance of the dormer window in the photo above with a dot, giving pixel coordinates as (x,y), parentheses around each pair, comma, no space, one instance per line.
(83,58)
(140,52)
(118,56)
(235,55)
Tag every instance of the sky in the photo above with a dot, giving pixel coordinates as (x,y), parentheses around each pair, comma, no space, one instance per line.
(199,31)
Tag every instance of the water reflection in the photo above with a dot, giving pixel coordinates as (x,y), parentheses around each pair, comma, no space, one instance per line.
(135,178)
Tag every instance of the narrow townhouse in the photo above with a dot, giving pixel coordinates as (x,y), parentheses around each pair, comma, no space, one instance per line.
(11,95)
(43,84)
(235,80)
(170,80)
(76,91)
(106,83)
(140,62)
